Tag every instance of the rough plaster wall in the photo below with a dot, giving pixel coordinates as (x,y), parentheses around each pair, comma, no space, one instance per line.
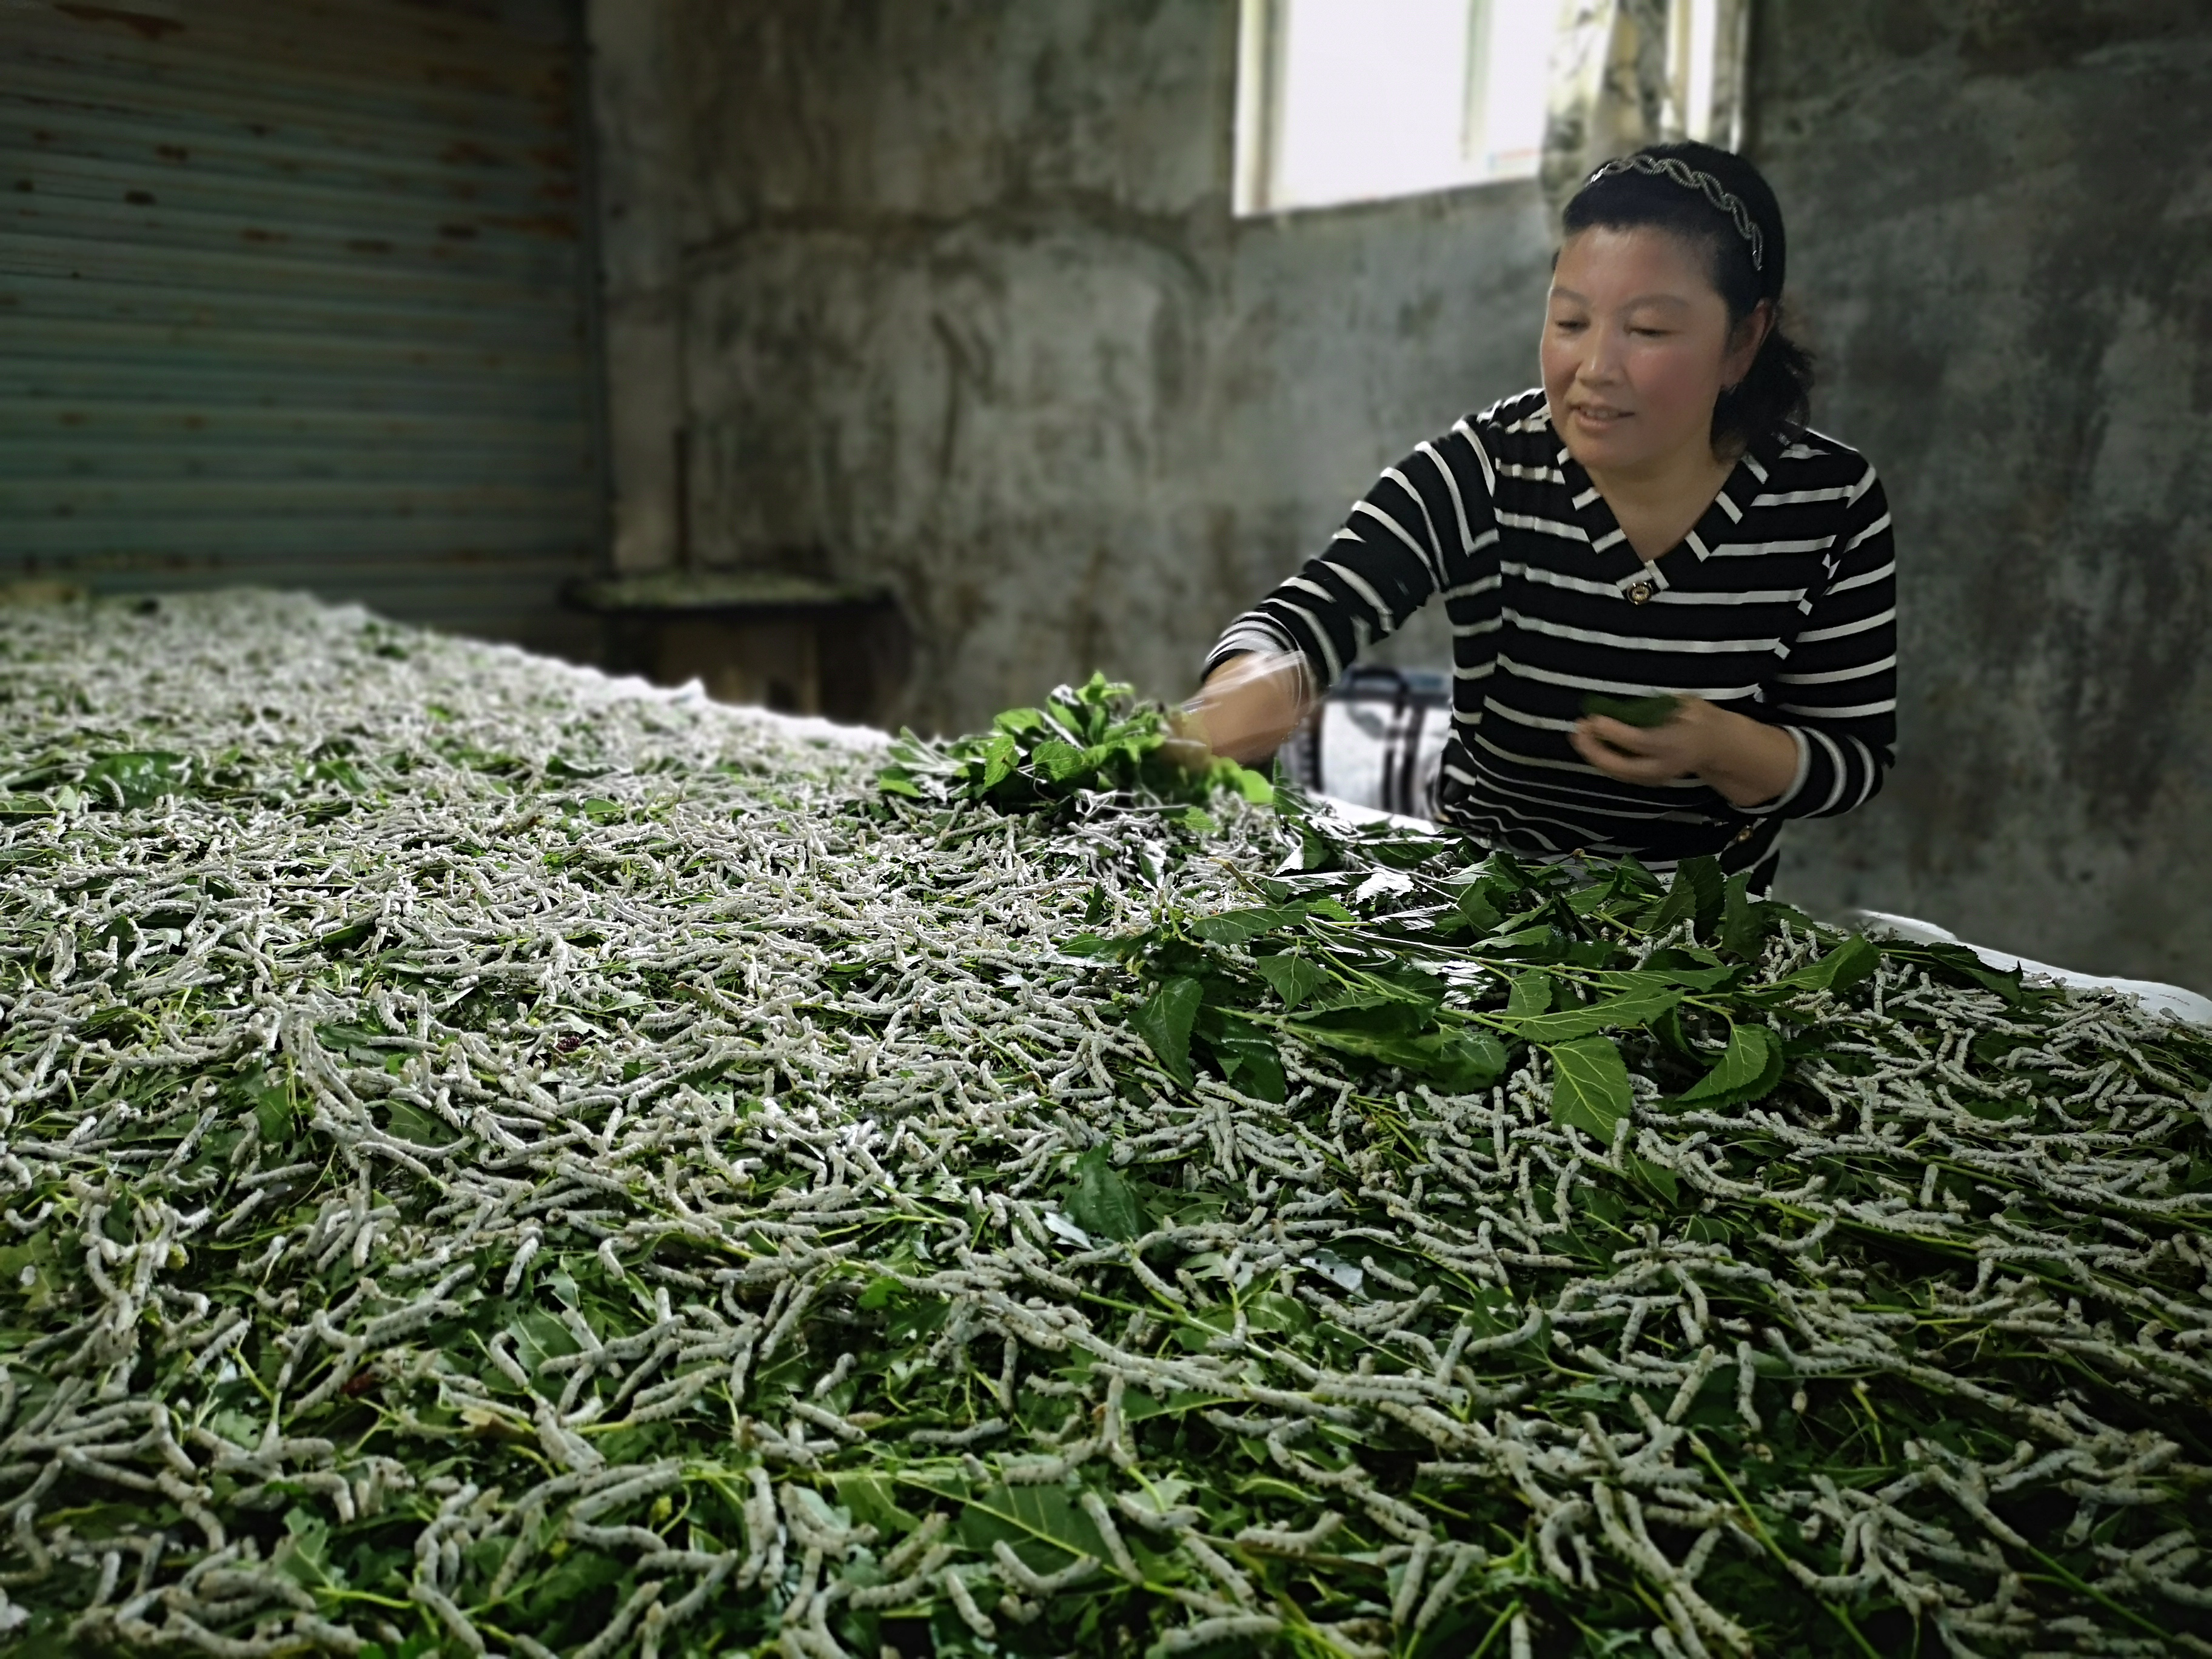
(639,160)
(964,309)
(967,311)
(2002,246)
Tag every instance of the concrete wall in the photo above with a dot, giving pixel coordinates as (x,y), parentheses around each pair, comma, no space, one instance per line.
(2002,220)
(967,312)
(961,307)
(637,178)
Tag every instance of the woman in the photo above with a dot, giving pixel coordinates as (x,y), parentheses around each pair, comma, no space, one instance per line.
(1655,519)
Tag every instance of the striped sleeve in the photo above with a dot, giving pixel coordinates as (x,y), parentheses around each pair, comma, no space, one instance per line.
(1836,693)
(1397,549)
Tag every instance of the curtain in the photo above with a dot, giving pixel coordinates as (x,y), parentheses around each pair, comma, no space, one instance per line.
(1630,72)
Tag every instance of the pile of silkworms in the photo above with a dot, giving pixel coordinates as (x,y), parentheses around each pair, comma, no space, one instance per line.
(501,1161)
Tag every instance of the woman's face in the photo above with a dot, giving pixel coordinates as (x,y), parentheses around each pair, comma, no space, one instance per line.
(1636,348)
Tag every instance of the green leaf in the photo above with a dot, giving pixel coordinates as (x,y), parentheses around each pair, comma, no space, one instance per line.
(1270,1310)
(871,1499)
(1251,785)
(1589,1086)
(1461,1061)
(1410,984)
(342,772)
(1233,927)
(136,779)
(1634,1009)
(1472,910)
(273,1109)
(1000,756)
(1631,880)
(1531,994)
(1371,1045)
(1846,966)
(572,1582)
(1250,1062)
(1103,1202)
(1062,762)
(117,1023)
(1294,978)
(407,1122)
(1671,969)
(1648,713)
(538,1337)
(1138,1405)
(1165,1024)
(357,1041)
(1464,1062)
(34,1270)
(1402,850)
(1541,943)
(1047,1514)
(1245,1054)
(1698,892)
(1748,1070)
(1962,961)
(1659,1178)
(1743,923)
(1369,1013)
(303,1555)
(344,937)
(1667,1028)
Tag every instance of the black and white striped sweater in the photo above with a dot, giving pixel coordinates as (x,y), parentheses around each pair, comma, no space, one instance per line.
(1780,603)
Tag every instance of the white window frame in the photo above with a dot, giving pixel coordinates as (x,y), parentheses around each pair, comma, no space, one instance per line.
(1262,42)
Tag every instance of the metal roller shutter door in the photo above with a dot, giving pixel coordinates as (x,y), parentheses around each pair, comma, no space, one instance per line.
(296,293)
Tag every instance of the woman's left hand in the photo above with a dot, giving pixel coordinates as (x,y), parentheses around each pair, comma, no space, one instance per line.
(1746,760)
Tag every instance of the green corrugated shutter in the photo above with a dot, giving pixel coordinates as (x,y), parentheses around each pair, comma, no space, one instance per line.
(296,292)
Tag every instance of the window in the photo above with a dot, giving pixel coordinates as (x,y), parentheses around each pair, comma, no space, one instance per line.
(1354,101)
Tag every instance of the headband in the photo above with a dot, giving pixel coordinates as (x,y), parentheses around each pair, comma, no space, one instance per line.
(1674,168)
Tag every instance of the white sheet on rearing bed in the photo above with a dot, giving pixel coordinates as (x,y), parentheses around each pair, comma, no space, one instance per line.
(2154,995)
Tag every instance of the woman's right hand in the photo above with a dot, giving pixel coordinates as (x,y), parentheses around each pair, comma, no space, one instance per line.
(1250,705)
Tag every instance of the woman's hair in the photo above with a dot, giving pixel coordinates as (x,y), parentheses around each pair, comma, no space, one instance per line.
(1717,200)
